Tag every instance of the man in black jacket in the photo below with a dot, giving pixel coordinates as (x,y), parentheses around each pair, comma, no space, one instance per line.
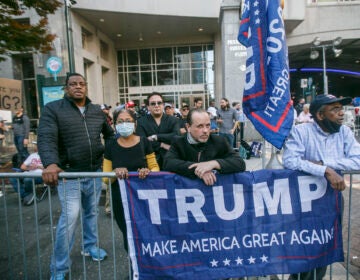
(69,139)
(21,130)
(198,153)
(158,127)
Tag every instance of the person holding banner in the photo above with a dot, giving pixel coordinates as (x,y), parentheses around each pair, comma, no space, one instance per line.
(129,152)
(322,147)
(69,139)
(199,153)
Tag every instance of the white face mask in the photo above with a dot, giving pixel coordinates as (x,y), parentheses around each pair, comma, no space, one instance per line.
(125,129)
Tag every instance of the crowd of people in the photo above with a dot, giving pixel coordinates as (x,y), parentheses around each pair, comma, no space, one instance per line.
(192,141)
(156,137)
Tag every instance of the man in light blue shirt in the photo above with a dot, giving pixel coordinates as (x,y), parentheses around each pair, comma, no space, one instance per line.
(321,147)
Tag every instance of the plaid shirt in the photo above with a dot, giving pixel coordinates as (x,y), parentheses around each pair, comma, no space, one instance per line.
(308,142)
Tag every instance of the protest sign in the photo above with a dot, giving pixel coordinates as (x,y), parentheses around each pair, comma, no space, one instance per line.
(253,223)
(10,94)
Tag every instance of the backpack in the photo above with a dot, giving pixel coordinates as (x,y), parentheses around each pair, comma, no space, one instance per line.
(244,150)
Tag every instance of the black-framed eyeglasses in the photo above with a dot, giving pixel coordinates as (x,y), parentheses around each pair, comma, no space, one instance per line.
(158,103)
(75,84)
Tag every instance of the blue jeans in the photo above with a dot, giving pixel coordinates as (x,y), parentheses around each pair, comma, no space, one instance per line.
(21,149)
(25,185)
(229,137)
(72,200)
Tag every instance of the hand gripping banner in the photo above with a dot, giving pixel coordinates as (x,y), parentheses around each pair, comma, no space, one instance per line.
(253,223)
(266,98)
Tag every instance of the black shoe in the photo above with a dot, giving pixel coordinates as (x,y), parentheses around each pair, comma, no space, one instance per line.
(29,199)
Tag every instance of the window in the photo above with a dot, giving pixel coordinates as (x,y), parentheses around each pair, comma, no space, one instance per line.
(133,57)
(104,50)
(86,38)
(182,68)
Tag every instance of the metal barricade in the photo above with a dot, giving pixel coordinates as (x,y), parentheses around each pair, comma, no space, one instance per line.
(28,234)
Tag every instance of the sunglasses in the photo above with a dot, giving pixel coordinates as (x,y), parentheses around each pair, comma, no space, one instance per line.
(156,103)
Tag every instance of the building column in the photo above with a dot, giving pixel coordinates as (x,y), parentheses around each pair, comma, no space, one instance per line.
(232,52)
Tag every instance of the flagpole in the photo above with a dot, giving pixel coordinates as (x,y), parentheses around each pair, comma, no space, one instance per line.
(274,162)
(263,154)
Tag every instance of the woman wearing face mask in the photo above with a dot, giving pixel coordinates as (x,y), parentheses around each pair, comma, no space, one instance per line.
(129,152)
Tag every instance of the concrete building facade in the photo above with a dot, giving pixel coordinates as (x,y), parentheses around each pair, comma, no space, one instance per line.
(183,49)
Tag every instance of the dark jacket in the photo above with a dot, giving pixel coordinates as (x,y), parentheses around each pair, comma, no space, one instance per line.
(168,128)
(21,126)
(182,154)
(70,139)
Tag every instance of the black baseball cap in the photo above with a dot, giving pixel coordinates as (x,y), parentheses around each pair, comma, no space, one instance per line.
(325,99)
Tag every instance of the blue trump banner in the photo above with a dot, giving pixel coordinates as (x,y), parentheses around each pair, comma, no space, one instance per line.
(252,223)
(266,98)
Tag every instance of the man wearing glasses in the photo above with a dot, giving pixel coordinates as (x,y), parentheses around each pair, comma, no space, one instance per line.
(69,139)
(158,127)
(321,147)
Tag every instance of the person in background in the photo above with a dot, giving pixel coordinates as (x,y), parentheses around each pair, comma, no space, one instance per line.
(3,128)
(295,113)
(183,120)
(106,109)
(227,120)
(237,107)
(169,109)
(212,110)
(25,187)
(172,111)
(116,158)
(119,106)
(198,153)
(143,110)
(131,105)
(21,128)
(198,102)
(213,113)
(305,115)
(158,127)
(69,139)
(299,106)
(322,147)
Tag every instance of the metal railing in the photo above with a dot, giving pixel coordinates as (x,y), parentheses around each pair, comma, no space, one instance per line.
(28,233)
